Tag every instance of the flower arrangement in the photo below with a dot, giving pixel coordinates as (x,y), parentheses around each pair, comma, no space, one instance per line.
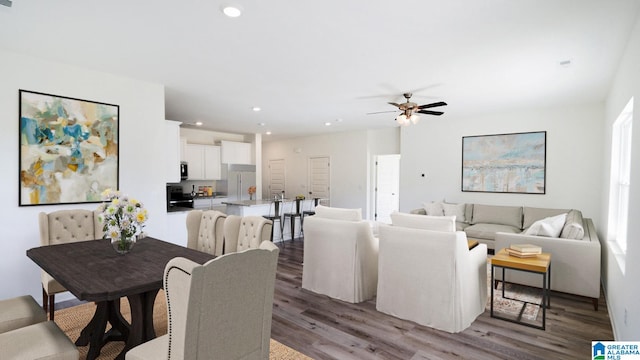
(251,190)
(123,218)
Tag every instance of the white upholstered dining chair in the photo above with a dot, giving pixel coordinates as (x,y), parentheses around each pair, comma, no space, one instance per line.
(340,255)
(245,232)
(427,274)
(219,310)
(205,231)
(60,227)
(25,332)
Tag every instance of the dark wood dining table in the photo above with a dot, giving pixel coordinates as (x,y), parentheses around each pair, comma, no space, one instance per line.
(93,271)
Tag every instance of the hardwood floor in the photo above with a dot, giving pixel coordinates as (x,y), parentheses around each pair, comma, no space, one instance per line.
(323,328)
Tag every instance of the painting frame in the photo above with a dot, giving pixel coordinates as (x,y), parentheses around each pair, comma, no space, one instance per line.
(513,163)
(68,149)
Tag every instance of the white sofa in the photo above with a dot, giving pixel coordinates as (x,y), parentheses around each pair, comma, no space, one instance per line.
(430,276)
(575,252)
(340,255)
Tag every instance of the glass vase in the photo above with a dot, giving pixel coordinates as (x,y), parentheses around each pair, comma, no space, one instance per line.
(124,244)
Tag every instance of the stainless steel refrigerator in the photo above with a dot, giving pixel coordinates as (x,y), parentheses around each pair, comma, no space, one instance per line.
(239,179)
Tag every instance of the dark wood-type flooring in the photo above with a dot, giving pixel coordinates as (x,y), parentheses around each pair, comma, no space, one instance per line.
(323,328)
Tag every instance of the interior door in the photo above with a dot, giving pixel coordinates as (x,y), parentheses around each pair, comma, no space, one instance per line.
(320,178)
(276,177)
(387,187)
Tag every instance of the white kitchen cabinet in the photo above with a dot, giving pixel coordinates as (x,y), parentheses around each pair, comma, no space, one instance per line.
(183,148)
(202,203)
(172,151)
(234,152)
(204,162)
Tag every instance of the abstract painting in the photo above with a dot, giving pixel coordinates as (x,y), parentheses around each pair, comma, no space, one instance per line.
(68,149)
(505,163)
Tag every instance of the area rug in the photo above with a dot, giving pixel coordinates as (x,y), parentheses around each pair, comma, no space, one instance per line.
(512,309)
(72,320)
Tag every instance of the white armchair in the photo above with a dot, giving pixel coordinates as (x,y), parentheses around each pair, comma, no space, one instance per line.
(205,231)
(219,310)
(430,277)
(340,255)
(248,232)
(60,227)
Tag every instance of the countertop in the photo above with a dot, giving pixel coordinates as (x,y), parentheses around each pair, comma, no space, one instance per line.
(254,202)
(209,197)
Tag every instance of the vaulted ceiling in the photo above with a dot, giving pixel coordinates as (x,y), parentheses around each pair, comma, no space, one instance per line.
(307,63)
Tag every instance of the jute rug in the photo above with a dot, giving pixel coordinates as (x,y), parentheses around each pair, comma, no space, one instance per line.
(72,320)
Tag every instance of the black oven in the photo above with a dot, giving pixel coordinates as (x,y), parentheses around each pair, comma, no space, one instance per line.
(177,200)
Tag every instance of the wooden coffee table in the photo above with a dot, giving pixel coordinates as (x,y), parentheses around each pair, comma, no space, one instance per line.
(541,264)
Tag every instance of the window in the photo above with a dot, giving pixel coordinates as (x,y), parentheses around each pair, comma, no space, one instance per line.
(620,178)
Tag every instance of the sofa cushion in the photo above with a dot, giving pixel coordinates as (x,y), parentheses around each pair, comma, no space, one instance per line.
(573,228)
(501,215)
(433,208)
(424,222)
(550,226)
(456,210)
(460,226)
(338,213)
(488,231)
(532,214)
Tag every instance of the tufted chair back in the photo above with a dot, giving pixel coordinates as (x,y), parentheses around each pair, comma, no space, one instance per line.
(242,233)
(64,226)
(205,231)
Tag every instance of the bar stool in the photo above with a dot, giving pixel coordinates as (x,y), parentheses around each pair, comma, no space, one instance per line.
(275,217)
(292,218)
(309,212)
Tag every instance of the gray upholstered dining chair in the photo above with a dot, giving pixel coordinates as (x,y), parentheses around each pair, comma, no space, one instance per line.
(60,227)
(219,310)
(245,232)
(25,332)
(205,231)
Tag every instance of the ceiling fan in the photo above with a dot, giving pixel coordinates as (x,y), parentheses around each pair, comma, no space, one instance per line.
(410,109)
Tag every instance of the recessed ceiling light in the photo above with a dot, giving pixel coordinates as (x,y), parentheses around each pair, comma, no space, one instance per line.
(327,124)
(198,123)
(338,120)
(565,63)
(262,124)
(268,133)
(232,11)
(256,109)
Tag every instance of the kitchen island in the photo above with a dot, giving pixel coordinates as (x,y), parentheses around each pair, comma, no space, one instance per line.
(265,207)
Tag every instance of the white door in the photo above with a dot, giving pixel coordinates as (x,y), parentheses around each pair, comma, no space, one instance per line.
(387,187)
(276,177)
(320,178)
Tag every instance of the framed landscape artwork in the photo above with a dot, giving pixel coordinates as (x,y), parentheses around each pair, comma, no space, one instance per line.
(505,163)
(68,149)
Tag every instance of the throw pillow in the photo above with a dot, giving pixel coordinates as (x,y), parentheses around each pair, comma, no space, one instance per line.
(573,226)
(456,210)
(433,208)
(551,226)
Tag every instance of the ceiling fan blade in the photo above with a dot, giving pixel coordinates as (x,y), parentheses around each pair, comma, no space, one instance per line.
(429,112)
(426,106)
(382,112)
(394,104)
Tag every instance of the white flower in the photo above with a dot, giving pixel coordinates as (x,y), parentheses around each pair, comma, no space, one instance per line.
(121,216)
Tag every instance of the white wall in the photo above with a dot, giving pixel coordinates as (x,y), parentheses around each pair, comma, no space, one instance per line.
(142,172)
(623,290)
(350,154)
(573,167)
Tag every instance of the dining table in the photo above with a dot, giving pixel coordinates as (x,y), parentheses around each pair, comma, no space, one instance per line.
(93,271)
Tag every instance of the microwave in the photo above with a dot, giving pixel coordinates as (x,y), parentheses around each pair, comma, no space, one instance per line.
(184,170)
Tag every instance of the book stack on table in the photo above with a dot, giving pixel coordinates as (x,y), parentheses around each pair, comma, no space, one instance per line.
(524,250)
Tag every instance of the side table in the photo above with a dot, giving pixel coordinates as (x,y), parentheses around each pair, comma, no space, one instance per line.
(541,264)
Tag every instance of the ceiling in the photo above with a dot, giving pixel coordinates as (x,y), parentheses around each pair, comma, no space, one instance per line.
(307,63)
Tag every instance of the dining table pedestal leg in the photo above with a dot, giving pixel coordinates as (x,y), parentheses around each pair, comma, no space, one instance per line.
(94,333)
(141,329)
